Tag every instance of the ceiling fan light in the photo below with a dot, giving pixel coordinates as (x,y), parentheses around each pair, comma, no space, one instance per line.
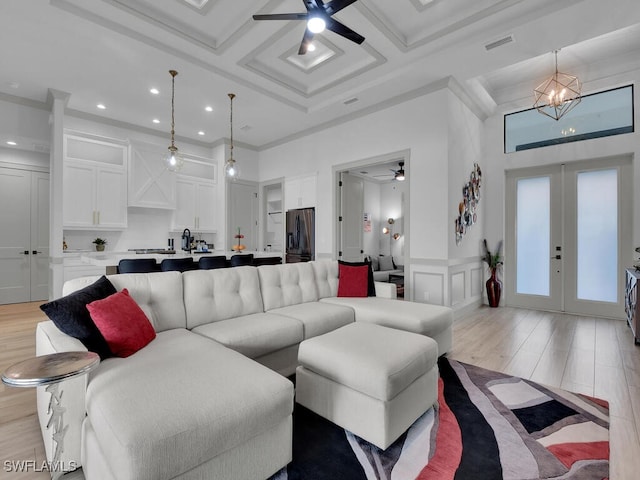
(316,24)
(400,175)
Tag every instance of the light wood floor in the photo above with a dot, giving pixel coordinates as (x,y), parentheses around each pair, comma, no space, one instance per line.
(582,354)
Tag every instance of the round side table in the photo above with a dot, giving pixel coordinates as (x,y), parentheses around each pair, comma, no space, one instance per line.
(49,371)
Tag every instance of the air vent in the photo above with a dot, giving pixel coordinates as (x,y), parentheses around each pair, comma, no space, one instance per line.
(351,100)
(499,43)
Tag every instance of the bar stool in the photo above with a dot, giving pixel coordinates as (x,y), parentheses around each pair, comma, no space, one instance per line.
(210,263)
(138,265)
(243,259)
(267,261)
(177,264)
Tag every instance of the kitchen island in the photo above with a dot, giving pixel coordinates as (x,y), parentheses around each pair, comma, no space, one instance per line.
(109,260)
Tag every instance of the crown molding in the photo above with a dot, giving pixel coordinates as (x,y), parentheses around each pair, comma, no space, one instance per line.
(26,102)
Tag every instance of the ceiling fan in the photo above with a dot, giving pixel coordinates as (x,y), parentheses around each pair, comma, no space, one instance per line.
(396,174)
(319,16)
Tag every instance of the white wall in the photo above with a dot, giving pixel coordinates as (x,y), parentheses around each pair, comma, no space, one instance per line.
(412,125)
(24,124)
(423,126)
(391,206)
(371,240)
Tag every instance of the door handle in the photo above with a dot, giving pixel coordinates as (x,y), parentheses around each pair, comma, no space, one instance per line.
(35,252)
(26,252)
(557,257)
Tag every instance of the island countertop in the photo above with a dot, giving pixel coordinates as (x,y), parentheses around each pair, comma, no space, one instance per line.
(111,259)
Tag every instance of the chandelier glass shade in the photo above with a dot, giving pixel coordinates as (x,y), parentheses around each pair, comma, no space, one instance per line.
(231,168)
(173,159)
(558,95)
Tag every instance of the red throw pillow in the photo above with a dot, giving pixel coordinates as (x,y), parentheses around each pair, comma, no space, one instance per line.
(352,281)
(122,323)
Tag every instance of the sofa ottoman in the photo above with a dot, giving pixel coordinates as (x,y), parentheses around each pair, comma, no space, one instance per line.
(371,380)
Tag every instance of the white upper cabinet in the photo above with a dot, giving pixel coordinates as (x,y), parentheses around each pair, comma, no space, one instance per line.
(151,184)
(94,183)
(300,192)
(196,197)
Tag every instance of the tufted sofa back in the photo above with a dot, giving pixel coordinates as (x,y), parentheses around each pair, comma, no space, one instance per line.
(159,295)
(220,294)
(288,284)
(326,276)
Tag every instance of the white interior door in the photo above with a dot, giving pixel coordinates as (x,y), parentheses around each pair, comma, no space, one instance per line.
(24,219)
(351,217)
(569,236)
(243,213)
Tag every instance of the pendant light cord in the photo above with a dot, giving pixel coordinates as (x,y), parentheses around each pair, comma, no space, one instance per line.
(173,90)
(231,97)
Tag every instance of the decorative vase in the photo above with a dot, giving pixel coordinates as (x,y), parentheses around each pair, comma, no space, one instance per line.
(99,248)
(494,289)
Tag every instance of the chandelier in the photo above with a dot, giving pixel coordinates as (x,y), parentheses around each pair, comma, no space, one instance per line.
(173,159)
(231,169)
(558,95)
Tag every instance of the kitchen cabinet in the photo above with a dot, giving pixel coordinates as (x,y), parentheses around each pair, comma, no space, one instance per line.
(151,184)
(300,192)
(195,205)
(95,184)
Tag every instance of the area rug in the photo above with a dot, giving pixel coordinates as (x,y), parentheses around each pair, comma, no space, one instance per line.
(486,425)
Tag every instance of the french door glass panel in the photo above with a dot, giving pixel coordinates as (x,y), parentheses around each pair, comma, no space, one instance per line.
(597,252)
(533,217)
(569,236)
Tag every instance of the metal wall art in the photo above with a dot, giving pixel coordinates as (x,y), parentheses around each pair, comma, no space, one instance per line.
(467,215)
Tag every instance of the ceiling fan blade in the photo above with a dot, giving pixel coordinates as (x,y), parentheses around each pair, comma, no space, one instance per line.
(281,16)
(337,27)
(334,6)
(306,40)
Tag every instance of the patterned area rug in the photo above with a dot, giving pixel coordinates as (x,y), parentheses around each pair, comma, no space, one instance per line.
(486,425)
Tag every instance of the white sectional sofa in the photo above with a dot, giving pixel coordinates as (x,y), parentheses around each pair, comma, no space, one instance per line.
(199,400)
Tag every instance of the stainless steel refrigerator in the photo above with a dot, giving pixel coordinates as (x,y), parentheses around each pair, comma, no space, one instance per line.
(301,235)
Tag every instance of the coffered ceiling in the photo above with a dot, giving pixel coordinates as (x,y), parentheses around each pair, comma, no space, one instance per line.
(113,51)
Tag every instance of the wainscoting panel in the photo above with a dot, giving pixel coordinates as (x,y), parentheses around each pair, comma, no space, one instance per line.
(456,283)
(457,280)
(428,288)
(476,282)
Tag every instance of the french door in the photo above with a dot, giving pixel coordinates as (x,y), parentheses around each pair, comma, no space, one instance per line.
(24,236)
(568,236)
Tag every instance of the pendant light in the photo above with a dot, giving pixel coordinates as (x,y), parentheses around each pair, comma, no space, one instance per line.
(556,96)
(173,159)
(231,169)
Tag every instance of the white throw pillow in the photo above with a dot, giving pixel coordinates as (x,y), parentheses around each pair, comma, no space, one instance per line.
(385,263)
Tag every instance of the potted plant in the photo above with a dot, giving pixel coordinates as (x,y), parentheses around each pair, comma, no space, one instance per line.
(494,262)
(100,243)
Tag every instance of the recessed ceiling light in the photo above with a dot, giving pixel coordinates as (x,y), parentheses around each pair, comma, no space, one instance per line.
(101,106)
(154,91)
(208,108)
(200,132)
(155,120)
(311,47)
(12,143)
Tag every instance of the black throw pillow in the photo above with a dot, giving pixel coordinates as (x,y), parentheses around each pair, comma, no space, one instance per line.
(371,288)
(71,316)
